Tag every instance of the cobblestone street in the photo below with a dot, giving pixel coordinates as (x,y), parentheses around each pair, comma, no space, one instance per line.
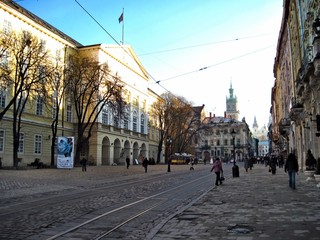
(257,205)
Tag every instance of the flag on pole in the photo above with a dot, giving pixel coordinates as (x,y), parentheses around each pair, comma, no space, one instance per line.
(121,18)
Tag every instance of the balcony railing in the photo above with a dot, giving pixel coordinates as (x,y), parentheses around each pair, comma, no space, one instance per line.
(306,65)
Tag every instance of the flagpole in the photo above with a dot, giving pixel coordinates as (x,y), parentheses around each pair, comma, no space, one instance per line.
(123,26)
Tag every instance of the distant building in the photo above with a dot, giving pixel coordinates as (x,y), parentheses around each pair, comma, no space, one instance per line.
(262,135)
(216,137)
(232,111)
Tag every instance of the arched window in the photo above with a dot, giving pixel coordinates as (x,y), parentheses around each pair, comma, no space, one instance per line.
(142,123)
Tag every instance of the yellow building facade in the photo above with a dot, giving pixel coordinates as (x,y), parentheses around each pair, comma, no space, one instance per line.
(112,141)
(296,91)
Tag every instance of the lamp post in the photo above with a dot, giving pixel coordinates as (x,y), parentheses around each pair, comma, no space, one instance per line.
(235,168)
(169,144)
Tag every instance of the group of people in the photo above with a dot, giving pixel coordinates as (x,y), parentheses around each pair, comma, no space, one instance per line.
(145,163)
(291,166)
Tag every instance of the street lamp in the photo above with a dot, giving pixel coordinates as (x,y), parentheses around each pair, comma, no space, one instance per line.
(235,168)
(169,144)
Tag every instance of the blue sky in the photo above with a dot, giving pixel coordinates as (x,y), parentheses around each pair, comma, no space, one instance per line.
(235,40)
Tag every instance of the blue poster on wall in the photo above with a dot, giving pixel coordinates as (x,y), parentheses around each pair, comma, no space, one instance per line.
(65,152)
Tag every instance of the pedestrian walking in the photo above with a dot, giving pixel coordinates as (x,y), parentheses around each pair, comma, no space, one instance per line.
(83,163)
(273,165)
(292,168)
(217,168)
(145,164)
(128,161)
(246,164)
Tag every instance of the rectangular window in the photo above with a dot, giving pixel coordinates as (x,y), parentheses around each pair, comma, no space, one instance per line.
(142,124)
(7,26)
(126,122)
(42,74)
(39,106)
(21,143)
(226,142)
(69,112)
(134,124)
(135,101)
(37,144)
(54,108)
(43,44)
(105,117)
(116,121)
(3,96)
(1,140)
(4,59)
(21,102)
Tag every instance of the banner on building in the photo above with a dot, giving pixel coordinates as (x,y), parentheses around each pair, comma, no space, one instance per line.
(65,152)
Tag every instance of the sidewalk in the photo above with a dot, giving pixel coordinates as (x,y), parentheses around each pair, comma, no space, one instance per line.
(257,205)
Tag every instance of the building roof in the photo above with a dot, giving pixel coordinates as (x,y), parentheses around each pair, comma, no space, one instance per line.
(198,109)
(41,22)
(215,120)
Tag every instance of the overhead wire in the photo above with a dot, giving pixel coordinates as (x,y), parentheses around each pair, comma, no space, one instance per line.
(203,44)
(120,45)
(176,49)
(216,64)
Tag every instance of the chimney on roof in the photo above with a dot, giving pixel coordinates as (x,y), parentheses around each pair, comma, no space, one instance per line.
(210,114)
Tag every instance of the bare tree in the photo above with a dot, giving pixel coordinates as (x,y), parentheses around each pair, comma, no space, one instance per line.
(187,125)
(91,87)
(23,74)
(178,120)
(161,110)
(56,89)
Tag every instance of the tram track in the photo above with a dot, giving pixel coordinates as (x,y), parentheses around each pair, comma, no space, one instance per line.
(114,207)
(7,209)
(131,212)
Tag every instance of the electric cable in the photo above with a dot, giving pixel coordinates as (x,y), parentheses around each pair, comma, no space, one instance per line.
(216,64)
(119,44)
(203,44)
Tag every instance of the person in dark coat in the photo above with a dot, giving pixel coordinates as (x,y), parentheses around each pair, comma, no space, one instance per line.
(128,162)
(84,164)
(292,168)
(246,164)
(145,164)
(310,161)
(273,164)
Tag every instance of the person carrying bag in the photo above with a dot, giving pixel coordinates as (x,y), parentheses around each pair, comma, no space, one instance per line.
(217,168)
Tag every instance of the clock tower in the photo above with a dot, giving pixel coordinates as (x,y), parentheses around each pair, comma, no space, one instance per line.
(232,105)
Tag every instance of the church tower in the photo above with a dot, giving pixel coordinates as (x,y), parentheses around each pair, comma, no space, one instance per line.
(232,105)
